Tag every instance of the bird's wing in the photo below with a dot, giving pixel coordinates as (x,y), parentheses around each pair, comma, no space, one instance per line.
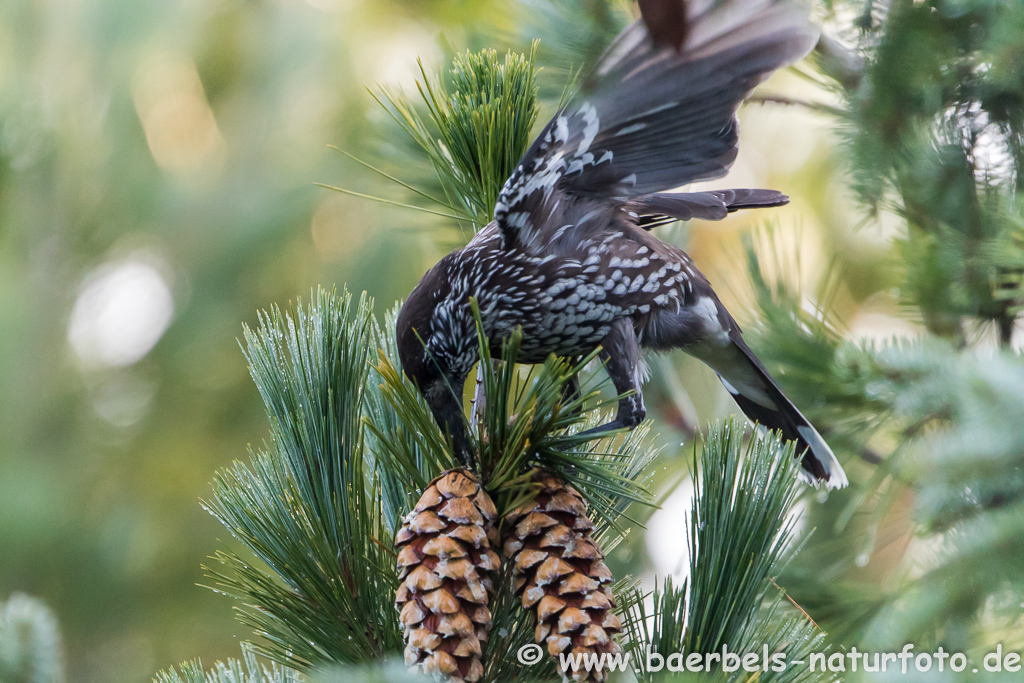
(650,117)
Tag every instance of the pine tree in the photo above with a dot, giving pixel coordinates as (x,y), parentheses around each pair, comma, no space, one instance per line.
(932,114)
(356,502)
(928,96)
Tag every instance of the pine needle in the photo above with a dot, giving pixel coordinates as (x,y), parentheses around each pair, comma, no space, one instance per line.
(390,202)
(393,179)
(306,505)
(474,124)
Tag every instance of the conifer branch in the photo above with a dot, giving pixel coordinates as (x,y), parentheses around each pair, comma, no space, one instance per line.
(30,642)
(307,506)
(739,533)
(246,670)
(474,125)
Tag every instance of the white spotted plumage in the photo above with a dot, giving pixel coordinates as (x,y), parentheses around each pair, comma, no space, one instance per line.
(569,259)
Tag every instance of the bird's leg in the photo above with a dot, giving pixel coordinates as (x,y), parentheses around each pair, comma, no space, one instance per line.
(478,397)
(620,352)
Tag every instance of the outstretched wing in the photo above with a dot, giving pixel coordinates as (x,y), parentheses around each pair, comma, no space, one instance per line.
(650,117)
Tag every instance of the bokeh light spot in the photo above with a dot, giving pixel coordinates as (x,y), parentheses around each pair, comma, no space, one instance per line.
(121,313)
(180,127)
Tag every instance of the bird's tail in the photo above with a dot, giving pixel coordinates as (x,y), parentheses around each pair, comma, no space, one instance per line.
(761,400)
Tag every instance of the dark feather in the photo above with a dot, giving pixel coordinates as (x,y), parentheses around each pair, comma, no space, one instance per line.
(650,118)
(818,462)
(564,262)
(714,205)
(665,21)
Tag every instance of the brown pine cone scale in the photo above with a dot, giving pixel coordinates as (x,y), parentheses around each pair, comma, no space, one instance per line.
(446,566)
(561,574)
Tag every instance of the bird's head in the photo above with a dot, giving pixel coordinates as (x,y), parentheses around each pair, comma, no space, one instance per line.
(414,330)
(429,359)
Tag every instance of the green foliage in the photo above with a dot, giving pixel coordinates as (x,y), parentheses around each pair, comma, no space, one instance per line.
(571,34)
(125,450)
(535,421)
(738,533)
(306,506)
(250,670)
(402,438)
(100,467)
(927,415)
(30,643)
(376,445)
(352,445)
(232,671)
(933,114)
(966,458)
(740,530)
(935,127)
(831,380)
(475,127)
(408,440)
(528,419)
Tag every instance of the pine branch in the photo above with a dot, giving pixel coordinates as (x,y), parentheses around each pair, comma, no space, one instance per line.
(248,670)
(350,448)
(528,421)
(660,627)
(474,125)
(30,642)
(306,506)
(779,631)
(802,345)
(739,535)
(511,631)
(403,440)
(353,444)
(536,422)
(933,122)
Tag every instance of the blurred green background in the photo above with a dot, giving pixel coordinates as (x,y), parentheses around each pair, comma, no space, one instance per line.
(157,169)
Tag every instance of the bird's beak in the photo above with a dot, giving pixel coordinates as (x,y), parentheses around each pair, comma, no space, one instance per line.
(447,409)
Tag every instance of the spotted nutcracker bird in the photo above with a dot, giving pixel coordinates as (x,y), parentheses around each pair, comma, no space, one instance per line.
(569,258)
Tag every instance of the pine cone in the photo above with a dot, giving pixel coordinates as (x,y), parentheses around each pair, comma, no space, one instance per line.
(445,562)
(561,574)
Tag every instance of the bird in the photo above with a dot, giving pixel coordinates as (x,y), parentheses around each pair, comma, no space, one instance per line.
(570,260)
